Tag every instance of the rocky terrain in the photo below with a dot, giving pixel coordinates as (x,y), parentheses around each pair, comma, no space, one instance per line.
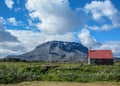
(55,51)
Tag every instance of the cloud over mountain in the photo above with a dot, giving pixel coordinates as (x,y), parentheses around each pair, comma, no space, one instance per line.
(31,39)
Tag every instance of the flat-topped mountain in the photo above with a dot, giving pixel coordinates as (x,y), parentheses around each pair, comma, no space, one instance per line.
(56,51)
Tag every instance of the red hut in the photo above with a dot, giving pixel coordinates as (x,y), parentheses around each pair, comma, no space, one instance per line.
(100,57)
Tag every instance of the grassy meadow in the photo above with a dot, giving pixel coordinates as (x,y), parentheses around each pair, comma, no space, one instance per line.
(17,72)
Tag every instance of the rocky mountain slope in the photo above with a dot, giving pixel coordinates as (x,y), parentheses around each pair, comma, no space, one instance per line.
(56,51)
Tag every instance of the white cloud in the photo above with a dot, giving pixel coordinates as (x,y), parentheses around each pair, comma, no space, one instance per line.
(12,20)
(2,20)
(105,27)
(56,16)
(68,37)
(100,9)
(88,40)
(112,45)
(9,3)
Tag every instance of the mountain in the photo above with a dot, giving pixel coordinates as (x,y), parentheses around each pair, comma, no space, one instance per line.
(117,58)
(56,51)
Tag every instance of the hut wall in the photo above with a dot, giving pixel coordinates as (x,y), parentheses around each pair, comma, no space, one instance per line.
(101,61)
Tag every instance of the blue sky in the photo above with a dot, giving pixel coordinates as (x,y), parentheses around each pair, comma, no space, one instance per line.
(25,24)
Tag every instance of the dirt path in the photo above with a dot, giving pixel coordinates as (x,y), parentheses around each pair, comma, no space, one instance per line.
(47,83)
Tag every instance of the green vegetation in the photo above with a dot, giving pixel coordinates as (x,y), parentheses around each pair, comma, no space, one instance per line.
(12,60)
(14,72)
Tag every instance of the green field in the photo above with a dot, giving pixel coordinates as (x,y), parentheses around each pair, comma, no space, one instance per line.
(16,72)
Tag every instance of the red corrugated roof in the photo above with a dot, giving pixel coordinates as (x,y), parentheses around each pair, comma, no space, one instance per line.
(100,54)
